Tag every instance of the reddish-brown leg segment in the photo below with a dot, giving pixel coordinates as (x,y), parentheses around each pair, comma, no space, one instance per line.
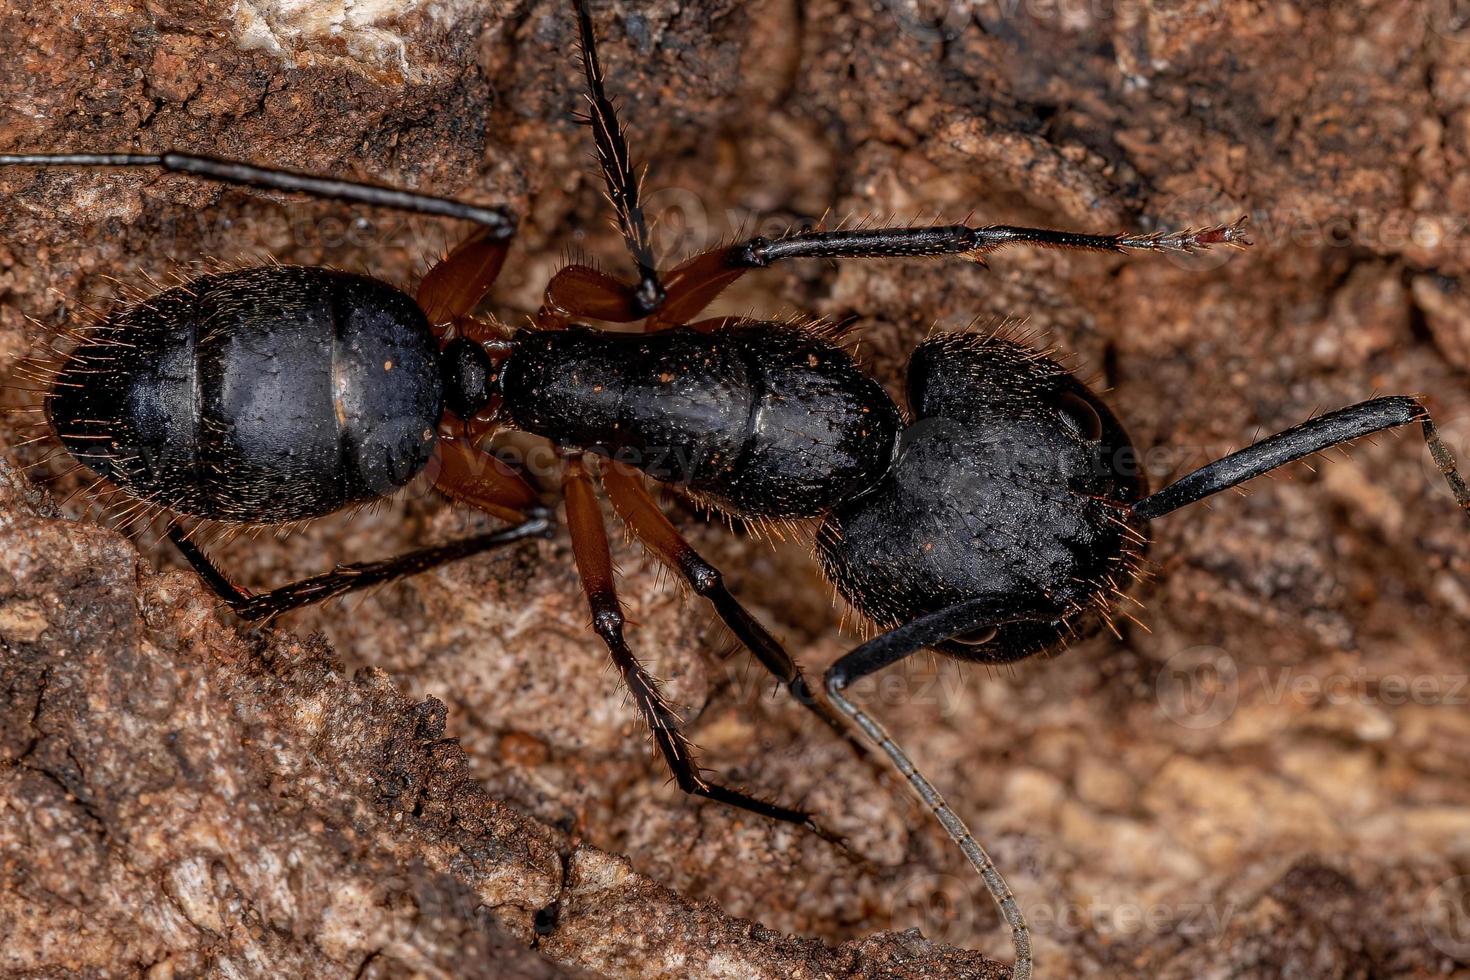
(649,525)
(465,473)
(594,565)
(457,283)
(582,291)
(692,286)
(460,470)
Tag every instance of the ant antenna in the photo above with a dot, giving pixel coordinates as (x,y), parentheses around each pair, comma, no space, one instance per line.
(995,882)
(903,641)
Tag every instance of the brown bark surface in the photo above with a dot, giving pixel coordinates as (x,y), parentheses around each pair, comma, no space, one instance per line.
(1264,775)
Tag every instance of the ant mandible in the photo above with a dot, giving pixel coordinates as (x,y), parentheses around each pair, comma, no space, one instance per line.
(998,517)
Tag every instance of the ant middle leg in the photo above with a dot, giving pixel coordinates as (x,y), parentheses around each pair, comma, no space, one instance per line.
(649,524)
(580,290)
(594,565)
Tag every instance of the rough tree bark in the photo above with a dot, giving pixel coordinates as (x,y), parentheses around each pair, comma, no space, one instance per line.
(179,794)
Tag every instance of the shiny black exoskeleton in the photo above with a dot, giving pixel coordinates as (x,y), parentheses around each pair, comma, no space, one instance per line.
(1001,517)
(1013,480)
(284,393)
(763,419)
(260,396)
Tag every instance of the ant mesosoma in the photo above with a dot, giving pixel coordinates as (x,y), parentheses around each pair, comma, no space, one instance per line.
(997,517)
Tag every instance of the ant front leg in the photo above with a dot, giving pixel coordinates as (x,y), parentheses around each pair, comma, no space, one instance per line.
(693,285)
(594,565)
(903,641)
(649,524)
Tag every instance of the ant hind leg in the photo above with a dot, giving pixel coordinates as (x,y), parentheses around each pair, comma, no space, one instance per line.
(265,606)
(462,473)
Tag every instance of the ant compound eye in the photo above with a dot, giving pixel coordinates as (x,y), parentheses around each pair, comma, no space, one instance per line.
(976,638)
(1080,415)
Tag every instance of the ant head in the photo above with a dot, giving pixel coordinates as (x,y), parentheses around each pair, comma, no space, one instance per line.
(1011,481)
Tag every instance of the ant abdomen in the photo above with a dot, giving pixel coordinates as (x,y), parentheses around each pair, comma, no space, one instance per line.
(262,395)
(763,418)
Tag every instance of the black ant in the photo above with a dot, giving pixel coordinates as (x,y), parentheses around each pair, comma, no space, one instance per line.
(995,519)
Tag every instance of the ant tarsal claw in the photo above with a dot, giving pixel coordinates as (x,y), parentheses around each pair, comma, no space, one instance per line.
(1190,240)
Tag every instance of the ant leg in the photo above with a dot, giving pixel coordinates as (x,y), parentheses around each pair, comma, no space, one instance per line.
(499,221)
(647,522)
(896,644)
(594,565)
(456,283)
(467,474)
(265,606)
(617,171)
(1313,436)
(582,291)
(461,473)
(694,284)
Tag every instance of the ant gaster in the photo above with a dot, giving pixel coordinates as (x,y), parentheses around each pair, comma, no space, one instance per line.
(995,518)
